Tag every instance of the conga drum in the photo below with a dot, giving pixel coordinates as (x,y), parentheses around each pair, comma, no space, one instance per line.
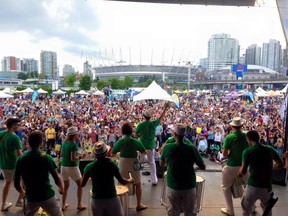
(122,193)
(200,184)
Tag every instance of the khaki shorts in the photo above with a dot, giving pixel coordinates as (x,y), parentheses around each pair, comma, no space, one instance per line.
(8,174)
(70,172)
(126,166)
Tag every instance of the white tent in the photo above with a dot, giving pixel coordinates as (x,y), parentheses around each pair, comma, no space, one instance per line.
(284,90)
(98,93)
(259,89)
(82,92)
(153,91)
(41,91)
(7,90)
(27,90)
(4,95)
(59,92)
(262,94)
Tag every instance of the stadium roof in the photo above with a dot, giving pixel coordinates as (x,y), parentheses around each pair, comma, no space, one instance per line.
(254,68)
(199,2)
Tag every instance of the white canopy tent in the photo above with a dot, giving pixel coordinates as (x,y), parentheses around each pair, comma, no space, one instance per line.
(41,91)
(284,90)
(7,90)
(4,95)
(27,90)
(259,89)
(82,92)
(153,92)
(59,92)
(262,94)
(98,93)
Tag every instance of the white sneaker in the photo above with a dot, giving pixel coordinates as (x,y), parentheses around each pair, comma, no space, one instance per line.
(225,211)
(19,203)
(6,206)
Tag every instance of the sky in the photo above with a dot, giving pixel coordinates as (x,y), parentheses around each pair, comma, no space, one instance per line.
(105,32)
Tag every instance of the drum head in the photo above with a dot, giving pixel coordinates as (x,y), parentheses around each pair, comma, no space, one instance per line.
(199,179)
(121,190)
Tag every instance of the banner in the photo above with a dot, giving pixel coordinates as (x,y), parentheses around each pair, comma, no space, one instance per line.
(34,96)
(176,100)
(283,13)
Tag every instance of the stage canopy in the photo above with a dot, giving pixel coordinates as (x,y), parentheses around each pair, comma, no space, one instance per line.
(153,92)
(199,2)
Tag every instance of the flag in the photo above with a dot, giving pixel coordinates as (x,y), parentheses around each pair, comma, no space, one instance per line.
(283,13)
(34,96)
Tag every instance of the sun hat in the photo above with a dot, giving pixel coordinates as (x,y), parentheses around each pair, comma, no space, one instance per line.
(148,113)
(100,149)
(72,130)
(237,122)
(180,129)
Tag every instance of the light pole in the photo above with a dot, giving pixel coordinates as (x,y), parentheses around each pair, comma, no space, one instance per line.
(189,75)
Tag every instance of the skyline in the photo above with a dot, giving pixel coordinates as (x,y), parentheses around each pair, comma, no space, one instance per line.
(130,27)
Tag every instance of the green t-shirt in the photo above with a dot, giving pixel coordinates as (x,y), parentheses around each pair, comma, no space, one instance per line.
(180,160)
(128,147)
(260,161)
(66,149)
(8,147)
(34,167)
(171,140)
(102,173)
(235,142)
(146,130)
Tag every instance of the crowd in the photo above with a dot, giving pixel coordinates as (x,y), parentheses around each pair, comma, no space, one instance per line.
(203,122)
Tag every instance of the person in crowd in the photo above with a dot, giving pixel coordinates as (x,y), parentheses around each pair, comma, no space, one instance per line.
(111,138)
(70,167)
(146,131)
(50,135)
(158,134)
(34,167)
(210,138)
(102,172)
(128,148)
(181,177)
(259,158)
(10,150)
(234,145)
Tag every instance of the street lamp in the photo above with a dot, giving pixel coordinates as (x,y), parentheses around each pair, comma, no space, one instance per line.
(189,75)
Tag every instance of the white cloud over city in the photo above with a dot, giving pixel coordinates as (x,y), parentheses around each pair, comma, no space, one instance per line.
(78,29)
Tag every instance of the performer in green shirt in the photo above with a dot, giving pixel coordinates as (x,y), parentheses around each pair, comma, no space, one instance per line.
(259,158)
(146,131)
(180,158)
(34,167)
(102,172)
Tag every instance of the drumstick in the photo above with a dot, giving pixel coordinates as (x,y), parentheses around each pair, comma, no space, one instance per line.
(130,176)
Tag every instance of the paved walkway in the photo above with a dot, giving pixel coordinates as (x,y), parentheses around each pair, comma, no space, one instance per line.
(213,198)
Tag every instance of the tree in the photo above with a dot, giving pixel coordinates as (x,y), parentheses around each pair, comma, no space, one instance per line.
(128,82)
(70,80)
(115,83)
(101,84)
(41,76)
(22,76)
(85,82)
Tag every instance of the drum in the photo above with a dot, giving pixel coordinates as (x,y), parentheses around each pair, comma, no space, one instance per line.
(200,184)
(122,192)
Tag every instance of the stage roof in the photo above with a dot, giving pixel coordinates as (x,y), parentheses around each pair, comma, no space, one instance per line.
(199,2)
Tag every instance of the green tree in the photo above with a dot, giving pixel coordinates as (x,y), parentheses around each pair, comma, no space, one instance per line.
(101,84)
(70,80)
(22,76)
(128,82)
(115,83)
(41,76)
(85,82)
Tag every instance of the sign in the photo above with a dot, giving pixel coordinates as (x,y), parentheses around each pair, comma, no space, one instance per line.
(283,13)
(239,68)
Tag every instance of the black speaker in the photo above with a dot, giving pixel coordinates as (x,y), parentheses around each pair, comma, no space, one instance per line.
(280,177)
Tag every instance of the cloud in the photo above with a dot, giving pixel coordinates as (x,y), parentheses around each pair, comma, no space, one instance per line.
(67,20)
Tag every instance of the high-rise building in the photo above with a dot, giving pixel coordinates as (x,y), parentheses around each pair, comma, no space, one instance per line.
(68,69)
(242,59)
(284,62)
(222,51)
(87,67)
(253,55)
(204,63)
(49,64)
(11,63)
(29,65)
(271,55)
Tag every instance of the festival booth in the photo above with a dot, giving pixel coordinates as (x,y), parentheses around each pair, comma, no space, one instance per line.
(41,91)
(98,93)
(4,95)
(27,90)
(58,92)
(153,92)
(284,90)
(82,92)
